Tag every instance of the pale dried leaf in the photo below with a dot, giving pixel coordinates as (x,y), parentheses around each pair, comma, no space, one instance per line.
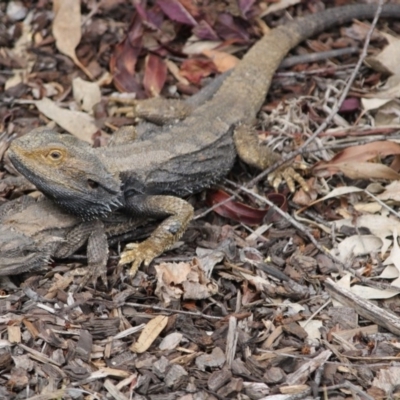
(183,280)
(388,60)
(370,293)
(394,258)
(171,341)
(387,379)
(388,114)
(379,225)
(66,29)
(67,26)
(343,282)
(196,46)
(390,272)
(312,328)
(86,94)
(392,192)
(77,123)
(280,5)
(223,61)
(149,334)
(340,191)
(358,245)
(257,281)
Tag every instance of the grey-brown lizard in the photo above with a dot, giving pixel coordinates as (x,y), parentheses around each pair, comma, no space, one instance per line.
(34,231)
(143,177)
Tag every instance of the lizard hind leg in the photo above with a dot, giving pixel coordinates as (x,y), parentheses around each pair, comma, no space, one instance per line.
(250,150)
(177,213)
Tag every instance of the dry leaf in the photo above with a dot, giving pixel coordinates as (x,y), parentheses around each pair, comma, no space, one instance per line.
(394,258)
(388,60)
(87,94)
(183,280)
(149,334)
(77,123)
(195,46)
(67,29)
(392,192)
(358,245)
(366,170)
(358,154)
(312,328)
(370,293)
(280,5)
(223,61)
(171,341)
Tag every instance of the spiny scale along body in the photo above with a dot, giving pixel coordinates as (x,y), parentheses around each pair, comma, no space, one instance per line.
(143,177)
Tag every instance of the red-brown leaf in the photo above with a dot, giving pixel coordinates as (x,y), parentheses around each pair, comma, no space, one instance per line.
(155,75)
(176,12)
(195,69)
(123,60)
(241,212)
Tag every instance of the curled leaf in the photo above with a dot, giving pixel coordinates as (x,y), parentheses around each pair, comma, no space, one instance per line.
(241,212)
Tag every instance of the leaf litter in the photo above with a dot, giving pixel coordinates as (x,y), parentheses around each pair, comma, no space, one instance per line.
(256,313)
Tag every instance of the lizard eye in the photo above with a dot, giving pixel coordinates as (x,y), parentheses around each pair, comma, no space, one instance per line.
(55,155)
(92,184)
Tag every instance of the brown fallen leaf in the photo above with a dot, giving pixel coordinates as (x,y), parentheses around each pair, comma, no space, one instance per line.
(355,154)
(149,334)
(195,69)
(155,75)
(67,29)
(241,212)
(367,170)
(183,280)
(124,58)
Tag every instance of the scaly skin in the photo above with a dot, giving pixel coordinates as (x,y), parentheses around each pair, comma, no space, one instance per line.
(32,232)
(143,177)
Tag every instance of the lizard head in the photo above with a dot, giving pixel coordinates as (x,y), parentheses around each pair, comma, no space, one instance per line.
(68,171)
(20,253)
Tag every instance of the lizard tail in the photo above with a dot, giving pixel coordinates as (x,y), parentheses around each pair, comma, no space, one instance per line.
(252,77)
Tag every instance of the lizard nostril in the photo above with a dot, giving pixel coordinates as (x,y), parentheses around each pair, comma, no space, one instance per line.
(93,184)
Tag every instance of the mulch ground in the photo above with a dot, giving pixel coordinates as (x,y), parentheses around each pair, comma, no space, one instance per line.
(246,305)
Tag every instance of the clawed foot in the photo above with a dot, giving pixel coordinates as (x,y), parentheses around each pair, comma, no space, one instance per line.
(138,253)
(92,274)
(288,175)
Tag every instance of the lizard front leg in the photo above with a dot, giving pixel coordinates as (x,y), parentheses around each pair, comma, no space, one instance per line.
(93,233)
(251,152)
(177,213)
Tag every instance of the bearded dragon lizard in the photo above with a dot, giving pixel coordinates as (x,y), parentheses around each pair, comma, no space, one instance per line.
(148,176)
(34,231)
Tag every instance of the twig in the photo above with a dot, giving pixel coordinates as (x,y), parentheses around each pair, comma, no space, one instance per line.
(313,57)
(365,308)
(170,311)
